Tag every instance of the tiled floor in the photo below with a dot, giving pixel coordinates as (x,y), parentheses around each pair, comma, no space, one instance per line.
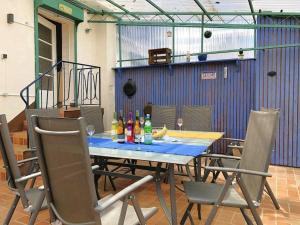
(285,183)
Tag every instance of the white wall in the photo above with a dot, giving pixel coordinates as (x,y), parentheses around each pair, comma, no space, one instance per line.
(17,41)
(98,47)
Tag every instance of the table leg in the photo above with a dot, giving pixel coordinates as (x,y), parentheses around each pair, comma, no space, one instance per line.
(198,179)
(172,195)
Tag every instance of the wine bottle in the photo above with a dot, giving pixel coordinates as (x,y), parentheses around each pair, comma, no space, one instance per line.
(130,134)
(137,128)
(121,130)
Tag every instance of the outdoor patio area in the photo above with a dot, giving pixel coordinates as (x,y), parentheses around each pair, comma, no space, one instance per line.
(150,112)
(285,183)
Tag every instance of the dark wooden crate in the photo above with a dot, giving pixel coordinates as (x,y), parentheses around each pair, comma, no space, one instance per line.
(159,56)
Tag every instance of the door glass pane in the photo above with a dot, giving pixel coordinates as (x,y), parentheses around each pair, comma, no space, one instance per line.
(45,50)
(45,33)
(45,65)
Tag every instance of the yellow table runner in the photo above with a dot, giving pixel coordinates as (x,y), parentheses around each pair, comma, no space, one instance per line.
(195,134)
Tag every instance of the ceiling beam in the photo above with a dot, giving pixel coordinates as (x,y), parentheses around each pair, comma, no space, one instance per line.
(160,9)
(123,9)
(252,10)
(203,9)
(205,25)
(210,13)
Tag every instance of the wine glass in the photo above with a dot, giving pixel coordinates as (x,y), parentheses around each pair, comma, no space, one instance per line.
(142,121)
(180,123)
(90,129)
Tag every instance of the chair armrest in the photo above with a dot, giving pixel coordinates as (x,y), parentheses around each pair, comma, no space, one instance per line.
(233,139)
(28,177)
(235,170)
(27,160)
(221,156)
(126,191)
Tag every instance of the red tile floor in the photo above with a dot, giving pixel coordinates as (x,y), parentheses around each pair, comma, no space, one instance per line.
(285,184)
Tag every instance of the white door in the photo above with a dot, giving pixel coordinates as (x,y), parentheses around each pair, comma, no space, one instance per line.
(47,58)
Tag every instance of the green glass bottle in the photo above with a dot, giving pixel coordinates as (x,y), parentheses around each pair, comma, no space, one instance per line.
(148,131)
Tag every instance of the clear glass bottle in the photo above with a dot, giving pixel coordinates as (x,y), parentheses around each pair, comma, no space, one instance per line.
(114,127)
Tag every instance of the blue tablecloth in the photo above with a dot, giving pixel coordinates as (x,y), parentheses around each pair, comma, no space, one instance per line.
(167,148)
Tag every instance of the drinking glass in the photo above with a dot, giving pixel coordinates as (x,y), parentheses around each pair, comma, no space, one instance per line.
(180,123)
(142,121)
(139,142)
(90,129)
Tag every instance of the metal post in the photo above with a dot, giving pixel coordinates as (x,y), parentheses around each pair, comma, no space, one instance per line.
(173,44)
(75,65)
(172,195)
(36,50)
(120,46)
(202,34)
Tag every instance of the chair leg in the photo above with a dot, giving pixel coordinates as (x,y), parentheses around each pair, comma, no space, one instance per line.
(206,172)
(11,210)
(272,196)
(249,201)
(246,217)
(186,214)
(110,179)
(211,215)
(34,214)
(96,178)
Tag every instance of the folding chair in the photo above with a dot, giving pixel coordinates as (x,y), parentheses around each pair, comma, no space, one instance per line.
(31,198)
(250,175)
(233,162)
(163,115)
(65,165)
(93,115)
(197,118)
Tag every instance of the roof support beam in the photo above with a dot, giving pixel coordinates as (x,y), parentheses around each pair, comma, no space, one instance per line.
(252,10)
(205,25)
(123,9)
(203,9)
(210,13)
(160,9)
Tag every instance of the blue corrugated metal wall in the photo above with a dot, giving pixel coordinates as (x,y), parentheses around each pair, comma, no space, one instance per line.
(231,98)
(247,87)
(281,91)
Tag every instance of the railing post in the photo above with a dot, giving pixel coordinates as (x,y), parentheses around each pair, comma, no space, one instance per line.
(99,86)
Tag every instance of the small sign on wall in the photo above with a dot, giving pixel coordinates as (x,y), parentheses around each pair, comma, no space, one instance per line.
(208,76)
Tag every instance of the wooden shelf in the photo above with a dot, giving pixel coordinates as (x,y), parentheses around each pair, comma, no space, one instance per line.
(183,64)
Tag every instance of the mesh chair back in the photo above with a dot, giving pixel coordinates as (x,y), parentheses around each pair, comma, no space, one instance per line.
(37,112)
(11,166)
(197,118)
(66,168)
(163,115)
(259,141)
(93,115)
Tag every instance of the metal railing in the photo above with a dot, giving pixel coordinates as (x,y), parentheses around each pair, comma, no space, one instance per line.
(65,84)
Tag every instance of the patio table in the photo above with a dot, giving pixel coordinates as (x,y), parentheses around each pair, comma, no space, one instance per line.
(189,139)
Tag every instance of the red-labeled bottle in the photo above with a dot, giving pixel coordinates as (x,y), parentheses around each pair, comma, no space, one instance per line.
(130,127)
